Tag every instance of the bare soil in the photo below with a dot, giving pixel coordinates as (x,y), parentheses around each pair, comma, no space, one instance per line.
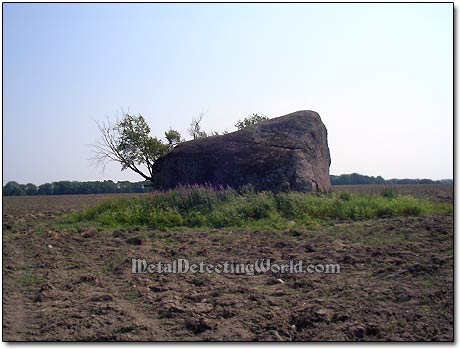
(396,280)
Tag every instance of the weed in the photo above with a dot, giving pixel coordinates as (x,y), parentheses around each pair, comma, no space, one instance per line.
(29,279)
(206,207)
(389,193)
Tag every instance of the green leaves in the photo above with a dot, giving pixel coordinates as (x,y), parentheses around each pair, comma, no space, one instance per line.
(134,144)
(128,142)
(250,120)
(173,137)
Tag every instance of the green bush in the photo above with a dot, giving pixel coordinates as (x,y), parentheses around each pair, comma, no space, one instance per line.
(195,219)
(389,193)
(165,219)
(345,196)
(286,205)
(225,216)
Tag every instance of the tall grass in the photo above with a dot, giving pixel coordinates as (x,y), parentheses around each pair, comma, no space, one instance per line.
(207,207)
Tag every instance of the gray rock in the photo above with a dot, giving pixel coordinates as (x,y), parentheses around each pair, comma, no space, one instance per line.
(281,154)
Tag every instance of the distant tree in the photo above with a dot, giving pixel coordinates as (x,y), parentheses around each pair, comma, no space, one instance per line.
(379,180)
(107,187)
(195,130)
(30,189)
(173,138)
(356,178)
(13,189)
(446,181)
(62,188)
(45,189)
(68,188)
(250,120)
(129,143)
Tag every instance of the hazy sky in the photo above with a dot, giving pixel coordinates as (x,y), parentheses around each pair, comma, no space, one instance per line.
(380,76)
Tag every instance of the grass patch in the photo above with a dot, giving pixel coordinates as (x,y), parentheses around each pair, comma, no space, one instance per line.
(205,207)
(29,279)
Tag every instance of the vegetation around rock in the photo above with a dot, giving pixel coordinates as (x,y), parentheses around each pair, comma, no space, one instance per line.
(207,207)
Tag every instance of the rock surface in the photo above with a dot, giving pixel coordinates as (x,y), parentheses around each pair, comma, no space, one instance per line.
(281,154)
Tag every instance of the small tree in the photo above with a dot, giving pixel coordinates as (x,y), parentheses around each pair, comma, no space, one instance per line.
(13,188)
(195,128)
(197,132)
(45,189)
(30,189)
(250,120)
(173,137)
(129,143)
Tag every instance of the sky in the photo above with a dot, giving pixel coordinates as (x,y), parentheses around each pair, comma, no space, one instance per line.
(379,75)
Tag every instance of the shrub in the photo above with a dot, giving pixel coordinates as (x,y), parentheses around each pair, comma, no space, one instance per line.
(195,219)
(286,205)
(165,219)
(345,196)
(389,193)
(225,216)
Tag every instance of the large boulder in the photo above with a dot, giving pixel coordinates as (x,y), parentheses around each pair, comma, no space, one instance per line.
(285,153)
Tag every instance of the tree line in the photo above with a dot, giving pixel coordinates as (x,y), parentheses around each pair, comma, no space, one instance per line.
(356,178)
(109,187)
(74,187)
